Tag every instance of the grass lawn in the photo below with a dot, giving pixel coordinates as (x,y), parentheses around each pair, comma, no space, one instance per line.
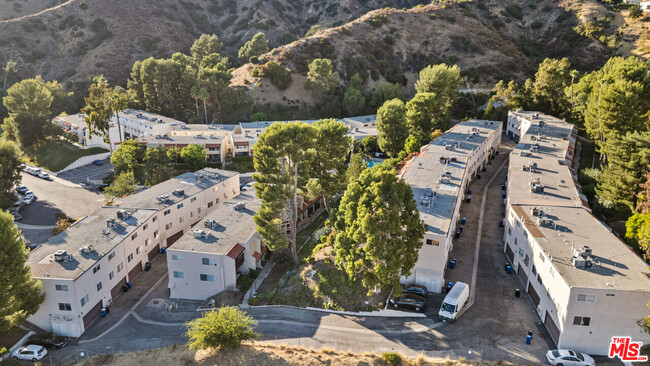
(55,155)
(242,164)
(8,339)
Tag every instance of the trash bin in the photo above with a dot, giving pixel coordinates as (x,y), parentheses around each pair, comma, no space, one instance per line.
(452,264)
(509,269)
(457,235)
(478,176)
(529,338)
(449,286)
(463,221)
(469,198)
(517,292)
(469,191)
(147,266)
(503,187)
(125,288)
(103,312)
(460,229)
(163,250)
(128,284)
(503,194)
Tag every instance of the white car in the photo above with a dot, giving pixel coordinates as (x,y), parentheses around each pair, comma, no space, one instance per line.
(29,197)
(568,357)
(30,352)
(44,175)
(34,171)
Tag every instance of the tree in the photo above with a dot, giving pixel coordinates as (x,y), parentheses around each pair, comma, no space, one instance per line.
(122,186)
(223,328)
(125,158)
(354,99)
(259,116)
(257,46)
(194,156)
(321,78)
(206,45)
(378,229)
(11,165)
(384,92)
(101,103)
(643,205)
(637,233)
(412,144)
(369,145)
(424,113)
(279,75)
(329,161)
(119,101)
(391,126)
(313,30)
(551,80)
(28,103)
(10,70)
(282,159)
(20,293)
(635,11)
(356,166)
(157,167)
(440,79)
(574,74)
(174,154)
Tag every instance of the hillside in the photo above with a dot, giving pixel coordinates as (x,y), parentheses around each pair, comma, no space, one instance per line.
(488,39)
(90,37)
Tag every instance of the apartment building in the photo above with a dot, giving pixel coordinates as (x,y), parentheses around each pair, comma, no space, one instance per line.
(76,124)
(439,177)
(85,268)
(362,126)
(208,259)
(217,148)
(136,123)
(586,284)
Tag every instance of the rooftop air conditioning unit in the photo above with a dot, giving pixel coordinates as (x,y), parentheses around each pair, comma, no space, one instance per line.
(445,180)
(429,192)
(198,234)
(110,223)
(580,262)
(61,256)
(178,192)
(158,136)
(585,251)
(123,215)
(86,249)
(162,198)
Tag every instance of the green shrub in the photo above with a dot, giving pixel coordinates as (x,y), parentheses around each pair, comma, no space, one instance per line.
(223,328)
(278,75)
(245,282)
(377,20)
(392,358)
(514,11)
(536,25)
(253,301)
(3,350)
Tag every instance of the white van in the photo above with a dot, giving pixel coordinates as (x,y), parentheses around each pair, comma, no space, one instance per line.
(454,302)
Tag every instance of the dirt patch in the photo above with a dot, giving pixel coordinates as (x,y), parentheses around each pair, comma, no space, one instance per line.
(8,339)
(225,298)
(267,355)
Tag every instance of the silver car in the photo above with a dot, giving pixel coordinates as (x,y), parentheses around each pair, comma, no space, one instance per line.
(30,352)
(568,357)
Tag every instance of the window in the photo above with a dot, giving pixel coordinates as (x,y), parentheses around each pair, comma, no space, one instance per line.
(129,258)
(181,220)
(154,219)
(527,259)
(177,257)
(144,227)
(137,250)
(111,275)
(509,231)
(146,242)
(192,199)
(610,295)
(586,298)
(178,206)
(521,252)
(581,320)
(168,226)
(166,212)
(208,261)
(541,256)
(207,278)
(518,224)
(111,256)
(191,213)
(179,274)
(61,287)
(199,209)
(63,306)
(119,267)
(210,204)
(515,241)
(155,234)
(134,236)
(99,286)
(433,242)
(534,270)
(96,269)
(216,201)
(84,300)
(526,233)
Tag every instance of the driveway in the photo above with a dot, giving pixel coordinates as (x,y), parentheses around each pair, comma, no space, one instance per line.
(86,172)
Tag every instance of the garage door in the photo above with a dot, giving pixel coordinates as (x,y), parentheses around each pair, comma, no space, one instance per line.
(154,252)
(135,271)
(172,239)
(552,328)
(533,294)
(510,253)
(117,290)
(92,314)
(521,272)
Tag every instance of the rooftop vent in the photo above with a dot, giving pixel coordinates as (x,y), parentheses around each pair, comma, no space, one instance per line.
(536,211)
(581,262)
(212,224)
(545,222)
(429,192)
(178,192)
(61,256)
(446,174)
(123,215)
(162,198)
(86,249)
(198,234)
(110,223)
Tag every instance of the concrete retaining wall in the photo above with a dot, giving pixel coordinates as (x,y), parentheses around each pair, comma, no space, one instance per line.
(85,160)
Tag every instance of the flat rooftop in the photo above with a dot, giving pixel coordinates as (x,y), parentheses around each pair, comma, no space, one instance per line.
(425,172)
(148,117)
(234,227)
(371,118)
(75,119)
(616,266)
(363,132)
(91,230)
(550,147)
(206,128)
(190,183)
(162,140)
(266,124)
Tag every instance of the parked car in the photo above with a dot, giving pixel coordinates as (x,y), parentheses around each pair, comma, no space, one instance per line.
(22,189)
(101,187)
(17,207)
(34,171)
(48,340)
(98,162)
(568,357)
(29,198)
(410,301)
(415,289)
(17,216)
(44,175)
(30,352)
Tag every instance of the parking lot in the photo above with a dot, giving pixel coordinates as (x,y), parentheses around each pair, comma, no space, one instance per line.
(87,172)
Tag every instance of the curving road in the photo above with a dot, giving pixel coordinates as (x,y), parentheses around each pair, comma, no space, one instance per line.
(21,18)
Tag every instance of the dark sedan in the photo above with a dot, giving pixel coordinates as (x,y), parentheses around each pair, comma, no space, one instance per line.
(48,340)
(410,301)
(415,289)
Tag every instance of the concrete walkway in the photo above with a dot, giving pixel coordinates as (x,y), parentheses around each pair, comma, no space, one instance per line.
(34,227)
(258,281)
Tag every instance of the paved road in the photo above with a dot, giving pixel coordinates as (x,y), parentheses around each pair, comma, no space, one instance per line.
(90,171)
